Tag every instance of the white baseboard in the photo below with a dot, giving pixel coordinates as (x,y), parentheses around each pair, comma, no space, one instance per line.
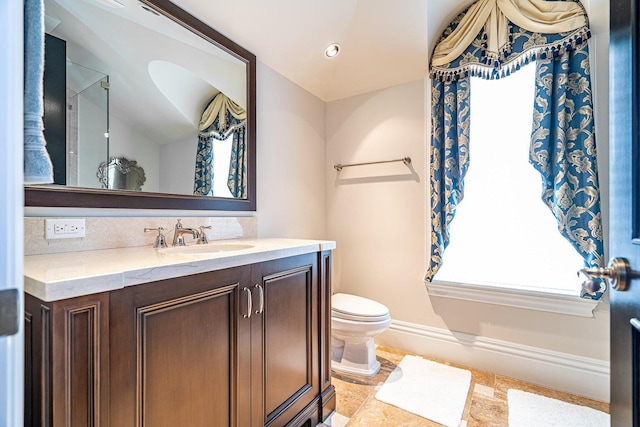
(560,371)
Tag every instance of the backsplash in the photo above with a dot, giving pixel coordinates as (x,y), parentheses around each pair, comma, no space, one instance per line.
(120,232)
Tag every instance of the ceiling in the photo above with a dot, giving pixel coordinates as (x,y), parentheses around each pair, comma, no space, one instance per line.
(384,43)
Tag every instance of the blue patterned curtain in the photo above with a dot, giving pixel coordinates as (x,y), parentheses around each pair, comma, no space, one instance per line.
(449,154)
(203,179)
(562,146)
(563,150)
(237,179)
(222,118)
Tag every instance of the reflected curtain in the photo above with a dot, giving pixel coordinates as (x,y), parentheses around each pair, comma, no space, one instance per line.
(221,118)
(490,40)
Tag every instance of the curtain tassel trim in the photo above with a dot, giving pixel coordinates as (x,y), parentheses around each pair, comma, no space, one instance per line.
(221,135)
(491,65)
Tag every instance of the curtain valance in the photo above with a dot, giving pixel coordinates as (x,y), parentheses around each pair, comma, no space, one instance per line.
(493,38)
(222,109)
(221,118)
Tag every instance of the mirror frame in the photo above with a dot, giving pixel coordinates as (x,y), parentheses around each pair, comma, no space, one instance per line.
(79,197)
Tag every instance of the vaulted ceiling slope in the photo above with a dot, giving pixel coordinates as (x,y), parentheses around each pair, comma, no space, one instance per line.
(384,42)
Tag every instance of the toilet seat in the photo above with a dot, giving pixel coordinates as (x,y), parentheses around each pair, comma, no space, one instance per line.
(355,308)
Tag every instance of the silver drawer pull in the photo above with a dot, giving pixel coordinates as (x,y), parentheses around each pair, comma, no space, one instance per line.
(261,309)
(249,303)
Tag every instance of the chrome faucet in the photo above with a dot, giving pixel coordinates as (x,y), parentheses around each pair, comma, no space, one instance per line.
(160,243)
(179,230)
(203,236)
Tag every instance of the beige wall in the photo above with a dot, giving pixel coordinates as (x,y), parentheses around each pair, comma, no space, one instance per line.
(291,137)
(377,213)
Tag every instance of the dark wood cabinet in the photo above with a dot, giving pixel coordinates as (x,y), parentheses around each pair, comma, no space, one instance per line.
(245,346)
(285,340)
(177,352)
(67,361)
(328,392)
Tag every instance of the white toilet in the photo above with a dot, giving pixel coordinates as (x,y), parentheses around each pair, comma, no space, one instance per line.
(355,321)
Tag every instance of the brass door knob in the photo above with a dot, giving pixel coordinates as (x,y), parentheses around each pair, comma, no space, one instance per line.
(618,273)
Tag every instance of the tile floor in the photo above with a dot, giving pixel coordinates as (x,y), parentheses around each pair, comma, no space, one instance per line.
(486,404)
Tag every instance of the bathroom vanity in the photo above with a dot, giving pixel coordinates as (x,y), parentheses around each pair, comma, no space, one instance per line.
(225,334)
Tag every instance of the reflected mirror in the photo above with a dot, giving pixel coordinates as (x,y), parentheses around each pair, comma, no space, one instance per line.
(121,174)
(146,83)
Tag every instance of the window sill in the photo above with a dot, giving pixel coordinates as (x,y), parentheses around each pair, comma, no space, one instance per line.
(571,305)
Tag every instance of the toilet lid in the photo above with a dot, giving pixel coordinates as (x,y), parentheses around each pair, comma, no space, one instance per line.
(353,307)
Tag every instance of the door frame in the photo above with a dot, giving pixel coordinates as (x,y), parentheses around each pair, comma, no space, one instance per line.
(11,207)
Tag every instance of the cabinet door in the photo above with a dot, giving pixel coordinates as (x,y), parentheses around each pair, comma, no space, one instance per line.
(67,361)
(285,340)
(176,358)
(328,391)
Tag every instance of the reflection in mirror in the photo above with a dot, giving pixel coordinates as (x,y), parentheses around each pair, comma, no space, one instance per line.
(121,174)
(87,136)
(221,121)
(137,82)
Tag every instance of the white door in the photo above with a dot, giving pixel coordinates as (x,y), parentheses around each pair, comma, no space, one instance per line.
(11,213)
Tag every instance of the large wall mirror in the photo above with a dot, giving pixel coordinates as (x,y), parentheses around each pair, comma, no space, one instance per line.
(144,83)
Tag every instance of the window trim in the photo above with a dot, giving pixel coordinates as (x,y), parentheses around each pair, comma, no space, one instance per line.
(551,302)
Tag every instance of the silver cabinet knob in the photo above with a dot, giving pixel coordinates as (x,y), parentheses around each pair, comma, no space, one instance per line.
(618,273)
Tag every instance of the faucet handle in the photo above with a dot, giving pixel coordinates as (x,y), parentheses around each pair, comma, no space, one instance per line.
(203,236)
(160,242)
(179,224)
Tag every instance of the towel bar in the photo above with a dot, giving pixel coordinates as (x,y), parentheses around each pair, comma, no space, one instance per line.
(405,160)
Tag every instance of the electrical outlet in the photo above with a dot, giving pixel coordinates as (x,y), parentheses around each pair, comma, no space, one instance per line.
(67,228)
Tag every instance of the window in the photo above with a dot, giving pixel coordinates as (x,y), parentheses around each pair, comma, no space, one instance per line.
(503,234)
(221,156)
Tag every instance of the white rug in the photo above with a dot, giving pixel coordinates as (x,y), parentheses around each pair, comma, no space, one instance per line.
(429,389)
(532,410)
(336,420)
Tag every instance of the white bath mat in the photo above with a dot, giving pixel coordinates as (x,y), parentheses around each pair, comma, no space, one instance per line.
(532,410)
(336,420)
(429,389)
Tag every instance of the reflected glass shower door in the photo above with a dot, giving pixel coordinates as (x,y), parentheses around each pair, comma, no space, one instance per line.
(87,125)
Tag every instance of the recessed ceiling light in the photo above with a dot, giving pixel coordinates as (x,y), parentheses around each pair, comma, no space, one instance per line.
(332,50)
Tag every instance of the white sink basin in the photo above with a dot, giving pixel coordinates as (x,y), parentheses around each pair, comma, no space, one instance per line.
(206,249)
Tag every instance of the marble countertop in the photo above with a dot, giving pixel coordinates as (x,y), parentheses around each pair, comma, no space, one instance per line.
(58,276)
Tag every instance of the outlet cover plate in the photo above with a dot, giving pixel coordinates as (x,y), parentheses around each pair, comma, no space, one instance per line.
(66,228)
